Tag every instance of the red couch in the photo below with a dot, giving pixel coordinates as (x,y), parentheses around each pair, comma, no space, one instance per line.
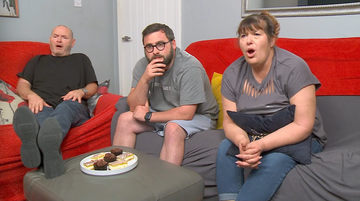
(93,134)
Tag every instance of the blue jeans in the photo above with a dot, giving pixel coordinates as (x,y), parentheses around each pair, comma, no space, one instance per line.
(261,184)
(68,113)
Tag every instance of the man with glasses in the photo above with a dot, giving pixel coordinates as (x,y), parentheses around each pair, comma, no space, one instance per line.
(171,95)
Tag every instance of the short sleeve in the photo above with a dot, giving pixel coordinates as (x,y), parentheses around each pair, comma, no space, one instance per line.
(192,89)
(29,70)
(300,77)
(89,71)
(230,84)
(138,71)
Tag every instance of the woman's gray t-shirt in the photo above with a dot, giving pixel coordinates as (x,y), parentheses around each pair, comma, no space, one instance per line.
(287,76)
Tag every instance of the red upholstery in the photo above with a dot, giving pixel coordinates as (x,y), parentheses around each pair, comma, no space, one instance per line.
(335,62)
(93,134)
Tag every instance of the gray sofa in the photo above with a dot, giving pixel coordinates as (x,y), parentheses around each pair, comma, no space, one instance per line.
(334,174)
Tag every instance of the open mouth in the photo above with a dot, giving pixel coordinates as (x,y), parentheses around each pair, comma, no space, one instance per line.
(250,52)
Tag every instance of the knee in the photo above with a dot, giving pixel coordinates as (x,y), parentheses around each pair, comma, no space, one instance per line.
(125,118)
(125,122)
(277,157)
(274,159)
(174,131)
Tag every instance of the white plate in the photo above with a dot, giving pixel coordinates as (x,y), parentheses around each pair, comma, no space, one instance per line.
(131,165)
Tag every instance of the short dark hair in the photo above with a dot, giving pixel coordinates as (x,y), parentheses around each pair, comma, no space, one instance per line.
(158,27)
(264,21)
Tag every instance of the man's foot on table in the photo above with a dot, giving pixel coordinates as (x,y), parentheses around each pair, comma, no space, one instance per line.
(26,127)
(49,140)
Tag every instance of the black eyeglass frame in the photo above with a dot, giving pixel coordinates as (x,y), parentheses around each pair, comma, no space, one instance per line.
(156,45)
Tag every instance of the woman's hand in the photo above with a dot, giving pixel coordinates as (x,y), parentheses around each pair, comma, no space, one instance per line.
(250,154)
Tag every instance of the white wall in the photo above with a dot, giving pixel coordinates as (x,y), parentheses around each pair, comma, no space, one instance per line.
(211,19)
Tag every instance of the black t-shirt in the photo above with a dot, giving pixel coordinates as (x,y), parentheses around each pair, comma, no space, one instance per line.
(52,77)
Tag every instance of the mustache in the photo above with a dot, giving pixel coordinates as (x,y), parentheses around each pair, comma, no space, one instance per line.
(157,56)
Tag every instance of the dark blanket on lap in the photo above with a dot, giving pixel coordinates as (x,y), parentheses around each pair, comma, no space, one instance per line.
(258,126)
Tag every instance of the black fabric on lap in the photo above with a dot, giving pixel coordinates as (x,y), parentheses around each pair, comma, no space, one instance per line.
(257,125)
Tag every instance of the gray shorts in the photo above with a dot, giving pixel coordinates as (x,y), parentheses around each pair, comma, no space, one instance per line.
(198,123)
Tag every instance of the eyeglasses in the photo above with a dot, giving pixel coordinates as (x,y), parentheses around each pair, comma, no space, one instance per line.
(160,46)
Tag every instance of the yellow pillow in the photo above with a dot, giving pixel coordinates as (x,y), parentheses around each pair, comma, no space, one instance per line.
(216,89)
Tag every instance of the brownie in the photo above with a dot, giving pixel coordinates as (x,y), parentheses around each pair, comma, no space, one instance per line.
(100,165)
(109,157)
(116,151)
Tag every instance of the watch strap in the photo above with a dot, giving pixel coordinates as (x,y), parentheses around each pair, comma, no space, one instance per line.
(84,90)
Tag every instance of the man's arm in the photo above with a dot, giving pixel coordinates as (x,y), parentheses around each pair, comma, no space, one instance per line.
(35,102)
(184,112)
(91,89)
(139,94)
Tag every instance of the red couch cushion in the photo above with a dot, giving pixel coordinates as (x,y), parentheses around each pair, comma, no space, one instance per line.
(335,62)
(15,55)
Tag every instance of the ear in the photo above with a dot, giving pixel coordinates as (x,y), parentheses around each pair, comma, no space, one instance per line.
(73,43)
(272,42)
(173,44)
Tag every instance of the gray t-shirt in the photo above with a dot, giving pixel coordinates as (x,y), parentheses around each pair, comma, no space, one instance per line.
(185,83)
(287,76)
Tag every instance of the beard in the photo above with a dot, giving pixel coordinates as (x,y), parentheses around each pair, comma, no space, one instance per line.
(167,58)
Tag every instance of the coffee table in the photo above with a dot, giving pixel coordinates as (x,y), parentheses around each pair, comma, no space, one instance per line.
(152,179)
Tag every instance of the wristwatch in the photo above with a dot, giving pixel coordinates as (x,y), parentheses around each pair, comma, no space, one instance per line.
(148,116)
(84,90)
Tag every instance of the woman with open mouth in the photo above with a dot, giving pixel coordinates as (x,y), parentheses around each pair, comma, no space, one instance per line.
(271,121)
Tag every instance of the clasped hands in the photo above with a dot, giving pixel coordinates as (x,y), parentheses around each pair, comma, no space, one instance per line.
(36,103)
(250,154)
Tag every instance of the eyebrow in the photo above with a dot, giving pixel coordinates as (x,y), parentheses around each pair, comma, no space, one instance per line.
(160,41)
(59,35)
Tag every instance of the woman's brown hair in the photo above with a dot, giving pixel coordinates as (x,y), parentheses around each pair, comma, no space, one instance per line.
(263,21)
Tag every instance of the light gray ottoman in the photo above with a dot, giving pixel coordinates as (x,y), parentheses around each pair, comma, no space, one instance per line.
(152,179)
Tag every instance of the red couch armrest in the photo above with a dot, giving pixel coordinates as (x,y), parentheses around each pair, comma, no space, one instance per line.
(106,102)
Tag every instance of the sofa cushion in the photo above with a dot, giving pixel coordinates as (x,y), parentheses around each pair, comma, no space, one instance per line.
(216,89)
(92,101)
(257,125)
(9,102)
(334,172)
(15,55)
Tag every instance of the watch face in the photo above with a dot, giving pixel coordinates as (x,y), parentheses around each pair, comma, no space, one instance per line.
(148,116)
(84,90)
